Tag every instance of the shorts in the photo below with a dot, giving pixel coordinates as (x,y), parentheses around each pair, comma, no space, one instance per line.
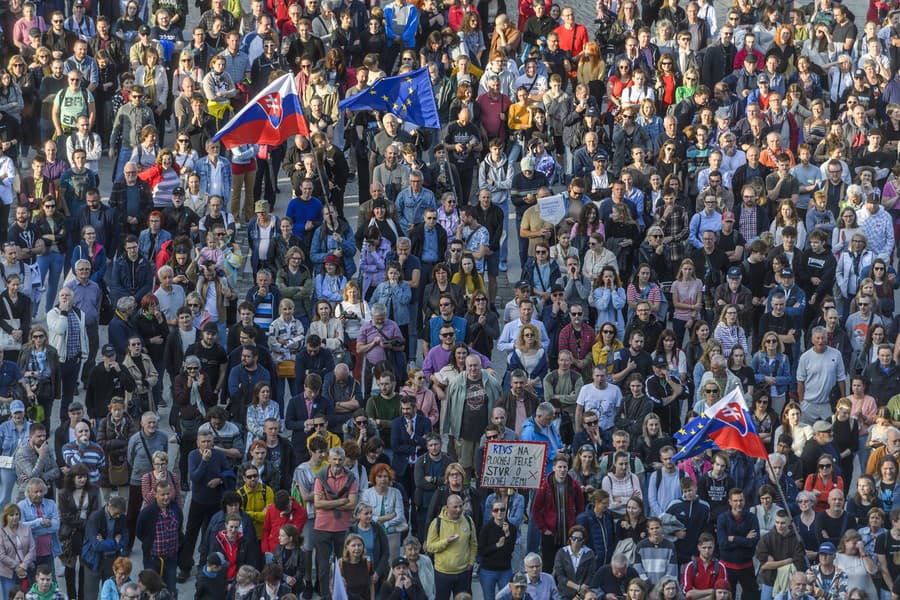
(492,264)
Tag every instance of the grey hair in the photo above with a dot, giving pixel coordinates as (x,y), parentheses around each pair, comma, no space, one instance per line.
(125,303)
(379,309)
(806,495)
(404,241)
(361,506)
(191,360)
(544,409)
(81,262)
(776,457)
(163,269)
(412,542)
(160,455)
(37,482)
(618,560)
(341,366)
(819,329)
(265,272)
(534,556)
(565,352)
(131,587)
(718,361)
(337,451)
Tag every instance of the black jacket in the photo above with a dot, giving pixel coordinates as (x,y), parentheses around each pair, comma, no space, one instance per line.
(492,557)
(417,237)
(118,199)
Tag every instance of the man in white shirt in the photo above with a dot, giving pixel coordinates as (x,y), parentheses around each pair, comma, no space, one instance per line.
(600,397)
(510,333)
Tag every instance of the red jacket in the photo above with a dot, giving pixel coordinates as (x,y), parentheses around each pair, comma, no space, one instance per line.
(545,504)
(274,521)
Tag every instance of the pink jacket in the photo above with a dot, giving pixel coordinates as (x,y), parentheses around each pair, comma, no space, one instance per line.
(425,401)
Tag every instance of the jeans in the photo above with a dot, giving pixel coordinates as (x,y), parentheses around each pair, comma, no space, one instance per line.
(123,157)
(51,265)
(166,566)
(68,372)
(6,584)
(329,544)
(7,485)
(492,581)
(504,239)
(93,335)
(447,586)
(766,592)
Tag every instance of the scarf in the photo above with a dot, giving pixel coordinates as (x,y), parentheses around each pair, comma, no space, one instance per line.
(330,494)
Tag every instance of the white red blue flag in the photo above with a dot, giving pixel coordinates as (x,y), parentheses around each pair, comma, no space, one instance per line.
(727,424)
(270,118)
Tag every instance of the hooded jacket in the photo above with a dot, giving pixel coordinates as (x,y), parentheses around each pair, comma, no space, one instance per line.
(500,174)
(459,556)
(779,547)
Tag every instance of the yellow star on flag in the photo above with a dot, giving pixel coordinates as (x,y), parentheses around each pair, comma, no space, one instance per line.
(385,98)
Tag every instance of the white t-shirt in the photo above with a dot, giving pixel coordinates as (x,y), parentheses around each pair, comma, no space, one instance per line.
(605,402)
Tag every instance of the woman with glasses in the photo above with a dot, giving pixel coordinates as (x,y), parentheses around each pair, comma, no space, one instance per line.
(192,394)
(113,432)
(804,523)
(529,356)
(184,154)
(77,500)
(772,369)
(606,345)
(574,566)
(690,82)
(39,364)
(616,84)
(496,543)
(482,324)
(160,472)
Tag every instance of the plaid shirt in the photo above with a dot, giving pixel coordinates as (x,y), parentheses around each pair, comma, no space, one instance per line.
(748,226)
(579,346)
(675,226)
(73,335)
(165,540)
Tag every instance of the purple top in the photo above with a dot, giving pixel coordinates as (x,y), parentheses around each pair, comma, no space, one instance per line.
(438,358)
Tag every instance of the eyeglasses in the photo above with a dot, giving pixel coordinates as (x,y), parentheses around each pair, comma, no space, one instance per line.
(38,336)
(319,424)
(577,538)
(711,391)
(590,423)
(576,314)
(498,510)
(608,332)
(361,423)
(50,205)
(185,140)
(772,341)
(448,334)
(193,305)
(825,466)
(251,476)
(862,303)
(445,304)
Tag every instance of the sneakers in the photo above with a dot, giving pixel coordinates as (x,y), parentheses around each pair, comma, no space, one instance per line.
(503,267)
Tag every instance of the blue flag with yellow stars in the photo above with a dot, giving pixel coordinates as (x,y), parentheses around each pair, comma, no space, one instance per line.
(408,96)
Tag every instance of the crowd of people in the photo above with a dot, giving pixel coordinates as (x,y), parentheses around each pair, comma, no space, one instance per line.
(278,402)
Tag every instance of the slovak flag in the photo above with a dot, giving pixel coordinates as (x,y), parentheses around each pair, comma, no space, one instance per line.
(727,424)
(270,118)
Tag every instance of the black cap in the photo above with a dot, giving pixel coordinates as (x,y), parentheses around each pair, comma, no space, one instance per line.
(216,559)
(557,289)
(522,285)
(592,112)
(601,155)
(660,361)
(859,74)
(786,272)
(211,327)
(108,350)
(179,191)
(400,560)
(735,273)
(144,30)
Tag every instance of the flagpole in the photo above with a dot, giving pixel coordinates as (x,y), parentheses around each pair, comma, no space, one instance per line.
(787,507)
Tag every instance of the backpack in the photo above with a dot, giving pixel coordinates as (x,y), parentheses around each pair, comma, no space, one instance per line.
(696,564)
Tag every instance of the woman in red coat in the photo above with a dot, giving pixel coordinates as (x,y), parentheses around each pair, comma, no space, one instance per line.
(544,511)
(283,511)
(823,481)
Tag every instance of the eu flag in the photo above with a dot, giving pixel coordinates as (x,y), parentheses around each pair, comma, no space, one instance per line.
(408,96)
(727,424)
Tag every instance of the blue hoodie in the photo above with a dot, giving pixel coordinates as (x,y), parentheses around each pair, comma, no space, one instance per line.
(600,532)
(533,432)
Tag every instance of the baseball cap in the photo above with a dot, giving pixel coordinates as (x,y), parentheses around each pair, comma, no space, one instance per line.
(108,350)
(557,289)
(523,285)
(821,426)
(762,78)
(600,156)
(727,216)
(16,406)
(211,327)
(827,548)
(859,74)
(723,113)
(660,361)
(179,191)
(735,273)
(786,272)
(591,112)
(261,206)
(400,560)
(527,164)
(144,30)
